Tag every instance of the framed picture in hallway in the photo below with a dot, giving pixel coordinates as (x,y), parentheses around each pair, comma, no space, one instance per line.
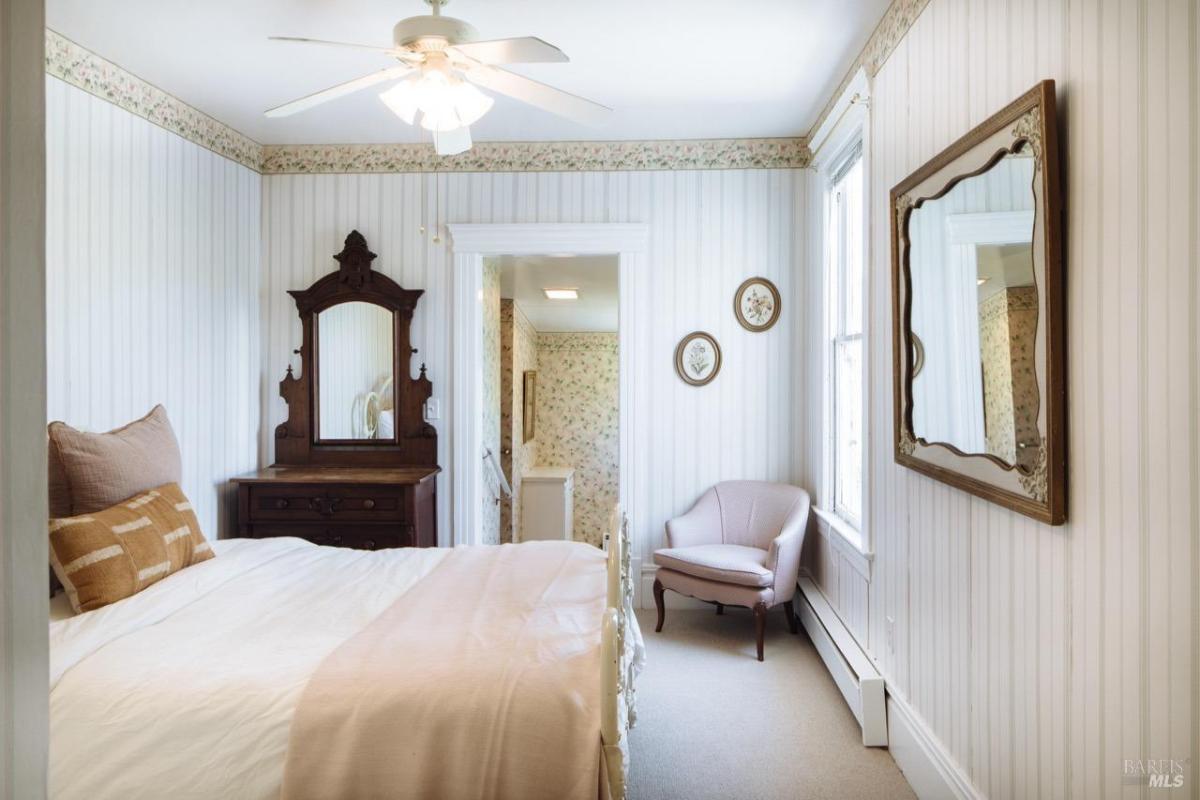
(697,358)
(528,405)
(756,304)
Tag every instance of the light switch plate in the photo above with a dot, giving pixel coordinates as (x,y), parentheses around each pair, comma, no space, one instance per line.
(433,408)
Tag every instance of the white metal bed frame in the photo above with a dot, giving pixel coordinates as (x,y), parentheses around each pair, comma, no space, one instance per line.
(618,661)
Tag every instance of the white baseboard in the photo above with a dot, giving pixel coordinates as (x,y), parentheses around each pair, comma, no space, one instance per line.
(670,599)
(931,772)
(852,670)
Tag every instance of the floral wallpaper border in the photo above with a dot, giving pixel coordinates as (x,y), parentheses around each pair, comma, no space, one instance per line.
(82,68)
(600,341)
(899,17)
(540,157)
(78,66)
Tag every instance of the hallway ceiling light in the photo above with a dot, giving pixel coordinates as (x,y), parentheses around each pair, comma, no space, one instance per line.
(561,294)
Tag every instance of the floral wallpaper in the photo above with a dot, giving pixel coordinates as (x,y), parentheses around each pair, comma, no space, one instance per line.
(577,421)
(1007,335)
(518,353)
(491,396)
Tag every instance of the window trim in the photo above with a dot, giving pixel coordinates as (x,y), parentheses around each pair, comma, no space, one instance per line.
(855,533)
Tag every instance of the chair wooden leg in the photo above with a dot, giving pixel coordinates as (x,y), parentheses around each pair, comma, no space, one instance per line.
(720,609)
(658,602)
(791,615)
(760,626)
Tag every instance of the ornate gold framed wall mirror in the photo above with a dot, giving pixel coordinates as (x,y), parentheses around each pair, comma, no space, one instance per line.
(977,289)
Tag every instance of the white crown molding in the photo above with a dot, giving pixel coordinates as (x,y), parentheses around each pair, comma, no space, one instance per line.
(899,17)
(682,154)
(78,66)
(82,68)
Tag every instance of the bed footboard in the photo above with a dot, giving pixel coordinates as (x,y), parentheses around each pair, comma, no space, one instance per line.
(620,658)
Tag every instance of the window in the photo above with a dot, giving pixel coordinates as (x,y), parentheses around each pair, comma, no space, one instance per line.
(844,315)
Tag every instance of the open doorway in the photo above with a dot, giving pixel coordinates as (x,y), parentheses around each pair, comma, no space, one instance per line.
(550,407)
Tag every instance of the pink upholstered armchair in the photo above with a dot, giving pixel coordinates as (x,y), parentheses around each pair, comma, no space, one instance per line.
(738,546)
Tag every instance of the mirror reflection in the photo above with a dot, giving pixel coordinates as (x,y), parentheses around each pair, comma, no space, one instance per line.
(354,372)
(975,310)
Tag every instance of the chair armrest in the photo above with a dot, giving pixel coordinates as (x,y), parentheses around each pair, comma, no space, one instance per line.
(700,525)
(783,555)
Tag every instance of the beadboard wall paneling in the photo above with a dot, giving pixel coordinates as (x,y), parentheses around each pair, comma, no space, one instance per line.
(153,288)
(710,230)
(1041,658)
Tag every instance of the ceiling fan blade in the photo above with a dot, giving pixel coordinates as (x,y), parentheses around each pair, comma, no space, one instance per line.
(326,42)
(341,89)
(395,52)
(450,143)
(537,94)
(522,50)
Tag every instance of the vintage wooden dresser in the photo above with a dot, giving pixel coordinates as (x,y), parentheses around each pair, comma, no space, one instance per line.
(361,507)
(356,461)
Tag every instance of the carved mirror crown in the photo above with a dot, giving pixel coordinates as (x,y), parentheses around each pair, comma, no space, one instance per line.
(370,410)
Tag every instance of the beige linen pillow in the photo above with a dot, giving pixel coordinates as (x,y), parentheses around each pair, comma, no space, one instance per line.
(106,556)
(92,471)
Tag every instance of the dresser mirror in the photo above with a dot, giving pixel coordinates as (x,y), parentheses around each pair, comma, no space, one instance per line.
(977,289)
(354,357)
(355,401)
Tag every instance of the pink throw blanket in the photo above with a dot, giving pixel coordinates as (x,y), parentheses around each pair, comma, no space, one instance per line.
(482,681)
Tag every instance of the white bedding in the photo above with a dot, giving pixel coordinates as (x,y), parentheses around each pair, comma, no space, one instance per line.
(236,659)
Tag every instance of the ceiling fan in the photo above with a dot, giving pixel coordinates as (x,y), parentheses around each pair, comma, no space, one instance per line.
(442,62)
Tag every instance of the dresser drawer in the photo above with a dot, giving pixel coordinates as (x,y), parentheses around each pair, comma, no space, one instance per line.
(373,537)
(325,503)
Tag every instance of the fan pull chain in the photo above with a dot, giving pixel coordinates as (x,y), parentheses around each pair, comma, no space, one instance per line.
(437,207)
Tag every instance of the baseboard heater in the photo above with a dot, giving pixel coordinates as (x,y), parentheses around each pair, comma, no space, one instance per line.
(853,672)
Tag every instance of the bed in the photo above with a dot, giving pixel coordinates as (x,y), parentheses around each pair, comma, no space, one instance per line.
(282,668)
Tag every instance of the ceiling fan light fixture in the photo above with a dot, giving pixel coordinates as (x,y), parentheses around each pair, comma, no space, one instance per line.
(441,120)
(451,143)
(402,100)
(445,102)
(470,103)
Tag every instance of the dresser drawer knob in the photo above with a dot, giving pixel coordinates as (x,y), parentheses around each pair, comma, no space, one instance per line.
(281,503)
(368,504)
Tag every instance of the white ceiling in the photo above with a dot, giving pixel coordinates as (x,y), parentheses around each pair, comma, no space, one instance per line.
(522,278)
(671,69)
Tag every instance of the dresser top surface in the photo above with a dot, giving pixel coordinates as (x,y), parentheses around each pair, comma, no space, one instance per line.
(327,474)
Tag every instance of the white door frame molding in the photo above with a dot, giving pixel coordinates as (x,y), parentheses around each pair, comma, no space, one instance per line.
(471,243)
(24,603)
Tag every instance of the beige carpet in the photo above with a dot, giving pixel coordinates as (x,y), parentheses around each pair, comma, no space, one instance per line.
(715,723)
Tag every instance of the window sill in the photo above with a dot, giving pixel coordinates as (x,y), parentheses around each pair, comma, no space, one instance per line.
(848,541)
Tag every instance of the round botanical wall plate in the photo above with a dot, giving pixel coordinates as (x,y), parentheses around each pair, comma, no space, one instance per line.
(697,358)
(756,304)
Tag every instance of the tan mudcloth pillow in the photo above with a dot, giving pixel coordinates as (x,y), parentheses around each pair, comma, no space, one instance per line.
(92,471)
(108,555)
